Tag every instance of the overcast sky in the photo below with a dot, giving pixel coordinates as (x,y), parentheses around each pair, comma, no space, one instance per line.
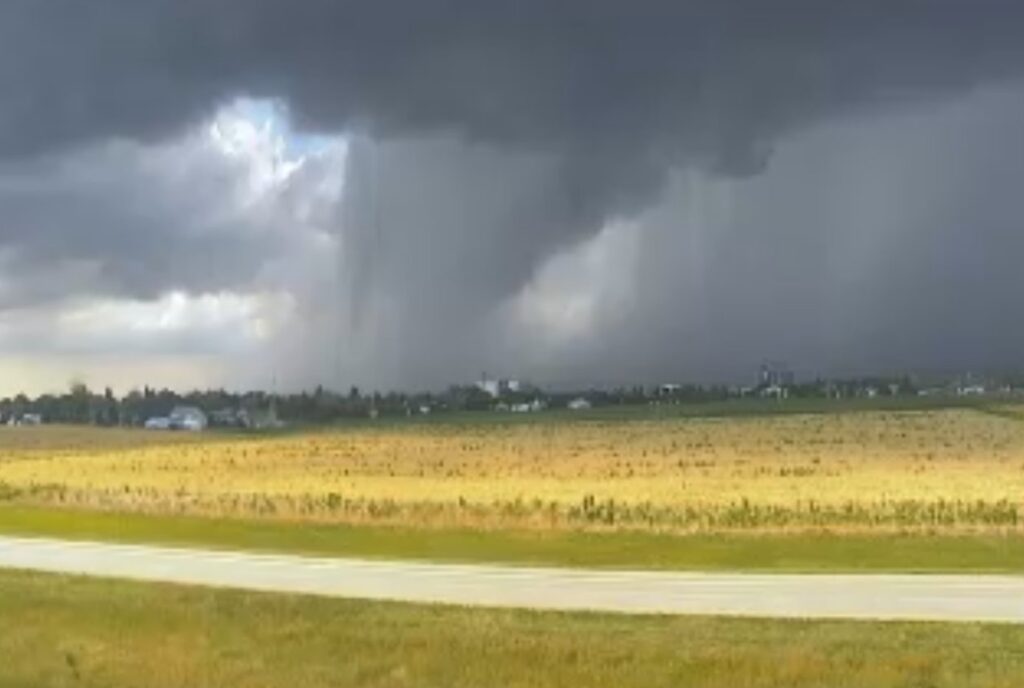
(409,193)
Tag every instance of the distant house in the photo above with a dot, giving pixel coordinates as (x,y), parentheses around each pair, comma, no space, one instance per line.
(528,407)
(30,419)
(774,374)
(490,387)
(188,418)
(266,419)
(498,388)
(158,423)
(775,391)
(669,389)
(230,418)
(579,404)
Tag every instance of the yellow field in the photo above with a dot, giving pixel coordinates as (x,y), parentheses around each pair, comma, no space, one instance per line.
(22,442)
(954,470)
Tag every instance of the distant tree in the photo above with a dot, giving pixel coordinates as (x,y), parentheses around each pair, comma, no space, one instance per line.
(79,398)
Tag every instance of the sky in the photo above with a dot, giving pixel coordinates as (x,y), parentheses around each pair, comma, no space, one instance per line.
(409,194)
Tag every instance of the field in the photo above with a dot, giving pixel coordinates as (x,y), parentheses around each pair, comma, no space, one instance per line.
(89,632)
(954,471)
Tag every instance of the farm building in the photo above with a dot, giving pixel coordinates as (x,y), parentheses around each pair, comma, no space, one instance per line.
(158,423)
(230,418)
(528,407)
(774,374)
(26,419)
(498,388)
(579,404)
(775,392)
(188,418)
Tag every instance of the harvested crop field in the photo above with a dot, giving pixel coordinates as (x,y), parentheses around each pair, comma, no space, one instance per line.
(956,470)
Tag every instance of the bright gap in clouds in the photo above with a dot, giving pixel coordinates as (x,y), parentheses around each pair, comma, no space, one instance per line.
(176,322)
(273,116)
(243,179)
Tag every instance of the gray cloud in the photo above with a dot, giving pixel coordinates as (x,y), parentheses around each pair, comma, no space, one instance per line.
(882,242)
(887,243)
(123,219)
(512,133)
(651,80)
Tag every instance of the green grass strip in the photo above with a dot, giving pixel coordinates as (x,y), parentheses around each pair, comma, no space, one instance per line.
(753,552)
(66,631)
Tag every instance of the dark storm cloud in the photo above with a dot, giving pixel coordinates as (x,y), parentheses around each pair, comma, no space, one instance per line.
(508,132)
(889,244)
(636,83)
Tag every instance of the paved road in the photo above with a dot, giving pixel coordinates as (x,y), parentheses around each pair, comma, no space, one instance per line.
(938,597)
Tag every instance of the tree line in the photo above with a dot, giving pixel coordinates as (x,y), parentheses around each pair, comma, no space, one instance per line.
(81,405)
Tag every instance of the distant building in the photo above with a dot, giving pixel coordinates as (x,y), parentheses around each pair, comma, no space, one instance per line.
(30,419)
(489,386)
(776,391)
(188,418)
(774,374)
(579,404)
(528,407)
(158,423)
(669,389)
(497,388)
(267,419)
(231,418)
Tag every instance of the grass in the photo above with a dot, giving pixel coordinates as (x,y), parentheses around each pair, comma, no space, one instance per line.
(757,552)
(65,631)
